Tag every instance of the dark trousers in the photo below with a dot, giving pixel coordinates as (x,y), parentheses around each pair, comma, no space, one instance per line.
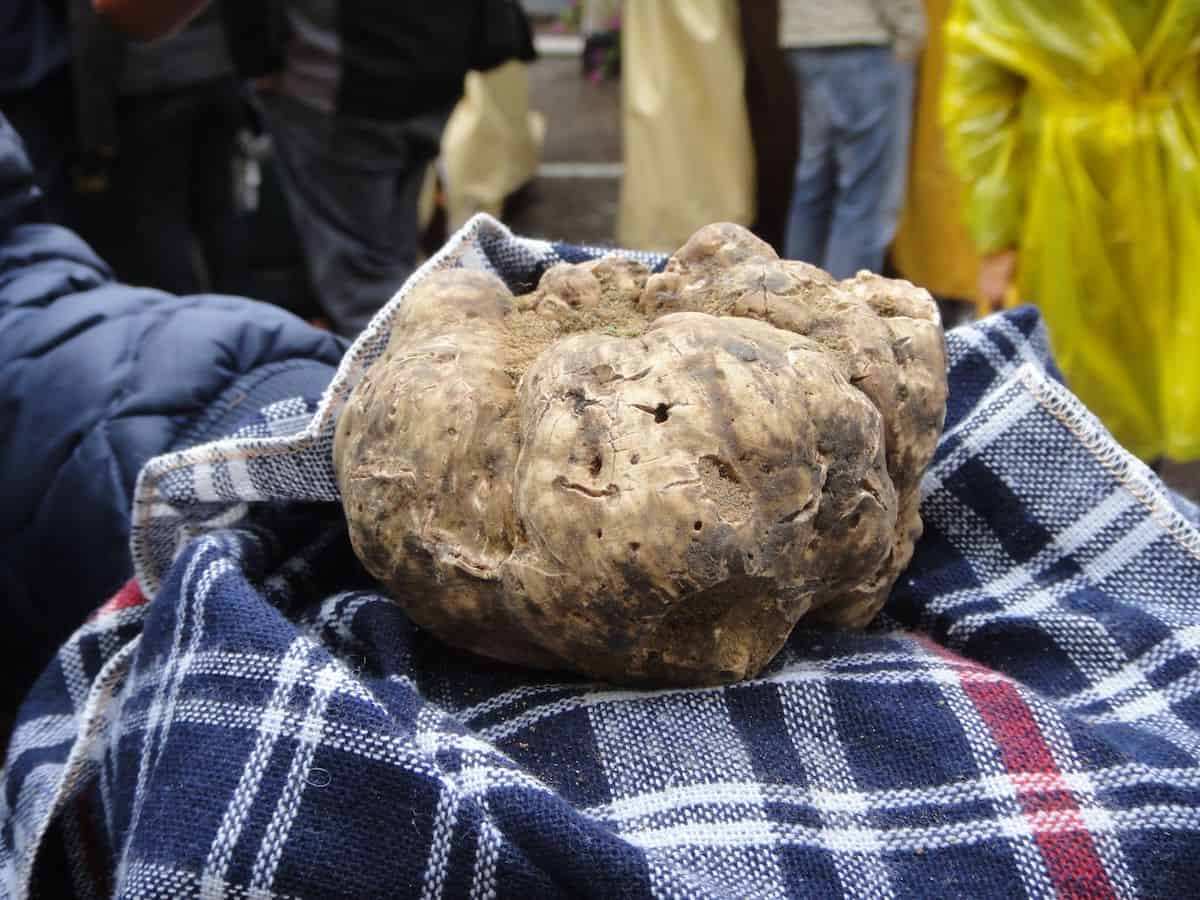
(180,229)
(352,187)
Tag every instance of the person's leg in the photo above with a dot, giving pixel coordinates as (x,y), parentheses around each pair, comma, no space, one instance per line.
(813,185)
(352,189)
(905,75)
(219,225)
(422,140)
(864,122)
(154,245)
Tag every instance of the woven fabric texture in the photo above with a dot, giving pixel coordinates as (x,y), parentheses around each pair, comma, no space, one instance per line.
(1024,719)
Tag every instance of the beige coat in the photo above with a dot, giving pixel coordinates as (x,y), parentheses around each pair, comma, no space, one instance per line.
(689,159)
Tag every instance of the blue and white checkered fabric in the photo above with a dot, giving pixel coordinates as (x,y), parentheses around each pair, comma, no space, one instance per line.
(1024,720)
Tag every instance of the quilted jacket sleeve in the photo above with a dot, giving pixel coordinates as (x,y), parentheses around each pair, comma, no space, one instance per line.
(96,377)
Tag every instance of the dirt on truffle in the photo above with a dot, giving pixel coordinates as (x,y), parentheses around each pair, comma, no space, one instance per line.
(647,478)
(734,501)
(599,297)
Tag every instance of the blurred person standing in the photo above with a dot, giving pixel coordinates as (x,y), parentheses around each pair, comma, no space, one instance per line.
(1075,125)
(854,64)
(355,96)
(159,120)
(689,158)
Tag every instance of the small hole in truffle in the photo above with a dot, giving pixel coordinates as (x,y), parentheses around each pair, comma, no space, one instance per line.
(594,468)
(660,413)
(698,525)
(635,546)
(635,458)
(724,469)
(600,533)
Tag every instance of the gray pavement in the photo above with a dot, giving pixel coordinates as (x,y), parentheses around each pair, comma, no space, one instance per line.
(583,120)
(583,128)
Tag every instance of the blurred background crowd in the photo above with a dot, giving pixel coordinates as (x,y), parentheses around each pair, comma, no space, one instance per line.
(312,152)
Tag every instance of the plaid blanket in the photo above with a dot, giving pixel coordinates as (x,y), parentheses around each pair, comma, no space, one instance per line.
(1023,720)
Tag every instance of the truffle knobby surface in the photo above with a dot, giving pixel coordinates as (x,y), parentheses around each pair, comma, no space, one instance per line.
(645,478)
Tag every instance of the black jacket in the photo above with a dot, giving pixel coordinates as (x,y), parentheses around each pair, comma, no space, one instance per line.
(393,60)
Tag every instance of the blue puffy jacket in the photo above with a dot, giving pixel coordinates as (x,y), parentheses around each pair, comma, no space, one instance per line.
(96,377)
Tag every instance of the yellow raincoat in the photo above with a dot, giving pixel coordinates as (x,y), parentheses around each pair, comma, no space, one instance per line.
(933,247)
(1075,125)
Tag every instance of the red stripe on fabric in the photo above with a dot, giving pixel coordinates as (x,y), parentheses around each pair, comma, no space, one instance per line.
(1047,802)
(1073,865)
(129,595)
(1068,850)
(1022,747)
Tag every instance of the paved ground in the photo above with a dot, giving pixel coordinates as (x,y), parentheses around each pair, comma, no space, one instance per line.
(583,135)
(584,128)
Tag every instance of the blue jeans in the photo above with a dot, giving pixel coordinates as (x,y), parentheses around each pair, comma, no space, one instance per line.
(844,202)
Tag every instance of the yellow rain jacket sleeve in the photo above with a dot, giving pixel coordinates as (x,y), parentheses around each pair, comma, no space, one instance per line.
(933,247)
(1075,126)
(983,104)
